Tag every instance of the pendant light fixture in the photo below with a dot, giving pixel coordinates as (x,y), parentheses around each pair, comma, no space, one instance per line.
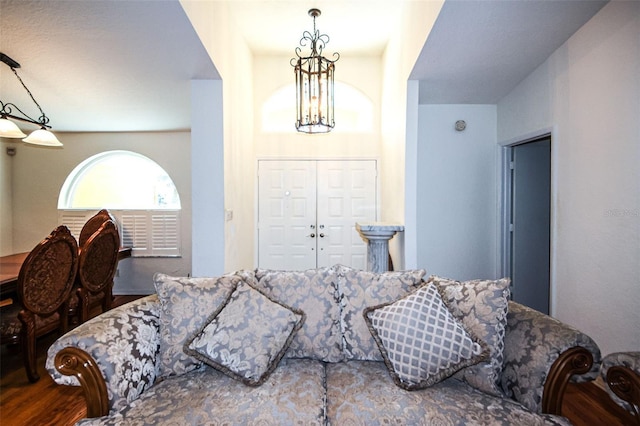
(8,129)
(314,82)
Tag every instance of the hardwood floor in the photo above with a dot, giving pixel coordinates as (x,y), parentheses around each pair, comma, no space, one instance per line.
(40,403)
(588,404)
(46,403)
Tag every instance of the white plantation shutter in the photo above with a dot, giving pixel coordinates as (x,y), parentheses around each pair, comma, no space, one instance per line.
(75,219)
(165,236)
(149,233)
(135,232)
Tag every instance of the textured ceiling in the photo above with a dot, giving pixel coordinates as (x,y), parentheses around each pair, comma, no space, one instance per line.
(111,65)
(478,51)
(355,27)
(102,65)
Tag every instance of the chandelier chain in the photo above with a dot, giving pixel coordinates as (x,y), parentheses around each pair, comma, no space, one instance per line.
(43,118)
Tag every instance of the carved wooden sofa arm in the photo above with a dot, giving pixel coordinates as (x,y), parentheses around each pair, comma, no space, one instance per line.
(621,373)
(541,356)
(571,362)
(79,364)
(112,356)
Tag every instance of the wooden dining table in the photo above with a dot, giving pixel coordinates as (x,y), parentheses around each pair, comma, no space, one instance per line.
(10,269)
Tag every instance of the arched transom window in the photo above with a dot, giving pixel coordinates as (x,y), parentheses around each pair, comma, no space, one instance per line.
(352,106)
(136,190)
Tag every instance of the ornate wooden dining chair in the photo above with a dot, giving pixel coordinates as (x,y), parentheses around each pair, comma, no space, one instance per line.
(45,283)
(97,264)
(93,224)
(88,229)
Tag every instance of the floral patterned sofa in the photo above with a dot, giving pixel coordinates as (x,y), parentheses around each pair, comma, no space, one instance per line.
(329,346)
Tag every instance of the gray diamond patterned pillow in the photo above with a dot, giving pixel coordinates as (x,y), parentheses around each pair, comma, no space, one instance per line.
(247,336)
(360,289)
(185,305)
(420,340)
(482,306)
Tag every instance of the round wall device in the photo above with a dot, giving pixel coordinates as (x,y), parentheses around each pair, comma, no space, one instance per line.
(461,125)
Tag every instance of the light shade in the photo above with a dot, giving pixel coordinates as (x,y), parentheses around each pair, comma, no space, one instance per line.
(8,129)
(42,137)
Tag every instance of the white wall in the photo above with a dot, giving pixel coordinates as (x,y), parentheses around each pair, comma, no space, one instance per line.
(207,170)
(232,58)
(411,176)
(457,189)
(6,197)
(588,91)
(39,173)
(399,57)
(239,153)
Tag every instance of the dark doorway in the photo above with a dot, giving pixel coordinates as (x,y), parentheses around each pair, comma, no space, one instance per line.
(530,223)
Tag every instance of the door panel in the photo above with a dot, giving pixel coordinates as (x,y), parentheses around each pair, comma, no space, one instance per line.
(347,194)
(307,211)
(286,210)
(531,206)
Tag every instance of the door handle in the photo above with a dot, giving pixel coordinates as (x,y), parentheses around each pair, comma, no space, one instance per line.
(312,235)
(321,235)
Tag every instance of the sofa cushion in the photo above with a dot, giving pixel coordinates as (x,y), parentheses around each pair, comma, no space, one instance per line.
(185,305)
(247,336)
(421,341)
(293,395)
(360,289)
(360,393)
(313,291)
(482,306)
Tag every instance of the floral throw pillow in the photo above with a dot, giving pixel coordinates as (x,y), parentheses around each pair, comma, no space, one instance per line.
(421,341)
(315,292)
(247,336)
(482,306)
(185,305)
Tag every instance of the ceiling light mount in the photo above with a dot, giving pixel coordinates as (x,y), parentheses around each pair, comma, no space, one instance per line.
(314,82)
(9,129)
(7,60)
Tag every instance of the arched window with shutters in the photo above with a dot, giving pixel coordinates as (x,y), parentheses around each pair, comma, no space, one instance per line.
(136,190)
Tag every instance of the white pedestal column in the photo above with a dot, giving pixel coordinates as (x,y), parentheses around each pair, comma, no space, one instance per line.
(377,236)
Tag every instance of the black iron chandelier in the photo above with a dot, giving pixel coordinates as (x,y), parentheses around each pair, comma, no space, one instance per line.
(8,129)
(314,83)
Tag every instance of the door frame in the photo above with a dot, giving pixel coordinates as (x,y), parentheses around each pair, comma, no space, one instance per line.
(256,194)
(505,205)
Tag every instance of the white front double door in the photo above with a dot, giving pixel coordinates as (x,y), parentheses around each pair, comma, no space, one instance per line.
(307,211)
